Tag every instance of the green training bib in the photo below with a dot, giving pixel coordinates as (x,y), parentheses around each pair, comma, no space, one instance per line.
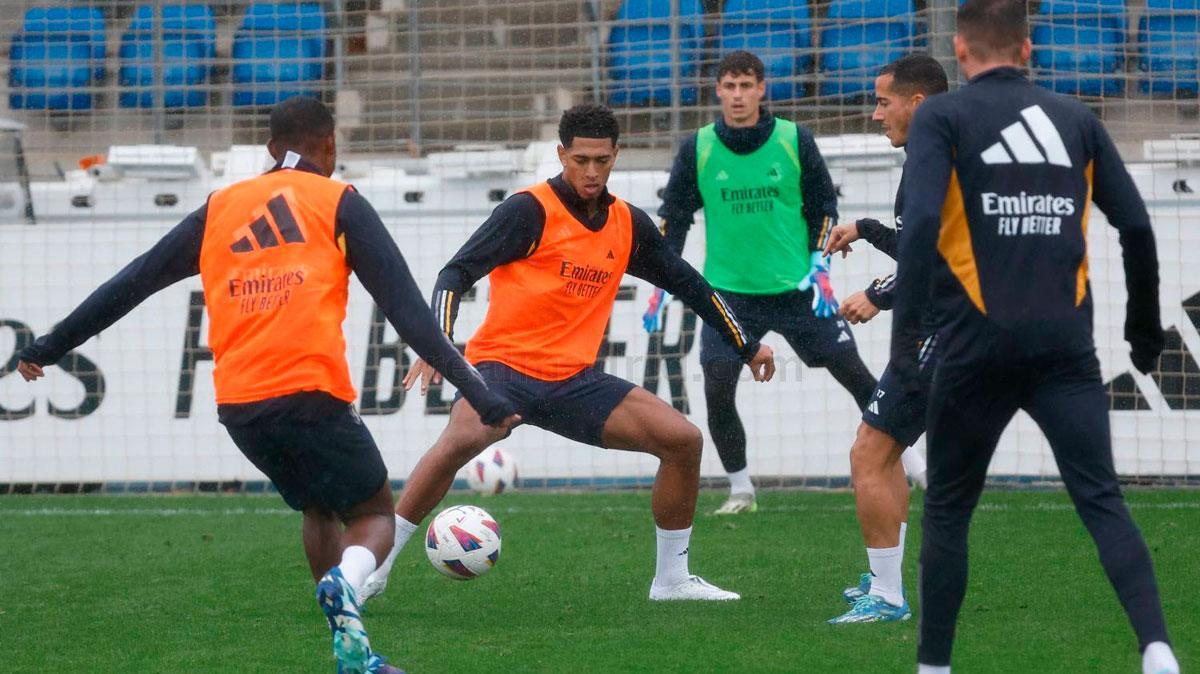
(756,239)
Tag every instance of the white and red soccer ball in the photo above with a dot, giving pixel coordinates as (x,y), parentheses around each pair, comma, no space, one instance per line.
(492,471)
(463,542)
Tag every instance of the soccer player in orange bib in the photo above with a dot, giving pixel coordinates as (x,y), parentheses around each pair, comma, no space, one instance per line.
(556,253)
(274,254)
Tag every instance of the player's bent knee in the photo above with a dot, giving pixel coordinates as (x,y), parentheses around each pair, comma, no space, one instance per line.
(682,443)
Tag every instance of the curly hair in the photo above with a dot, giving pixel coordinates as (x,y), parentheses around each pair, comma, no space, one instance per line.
(588,120)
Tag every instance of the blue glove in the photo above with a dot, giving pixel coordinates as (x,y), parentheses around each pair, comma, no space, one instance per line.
(825,305)
(652,320)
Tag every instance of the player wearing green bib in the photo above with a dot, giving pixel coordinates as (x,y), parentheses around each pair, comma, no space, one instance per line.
(758,243)
(768,201)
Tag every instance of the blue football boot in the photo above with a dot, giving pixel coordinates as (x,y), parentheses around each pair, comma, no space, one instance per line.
(856,592)
(340,606)
(872,609)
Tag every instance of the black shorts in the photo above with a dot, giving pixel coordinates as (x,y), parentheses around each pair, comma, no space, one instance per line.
(896,413)
(816,340)
(575,408)
(332,463)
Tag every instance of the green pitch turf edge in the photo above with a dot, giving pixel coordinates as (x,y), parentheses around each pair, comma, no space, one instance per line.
(219,584)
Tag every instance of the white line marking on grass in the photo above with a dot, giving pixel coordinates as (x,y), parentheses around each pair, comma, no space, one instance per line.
(508,510)
(141,512)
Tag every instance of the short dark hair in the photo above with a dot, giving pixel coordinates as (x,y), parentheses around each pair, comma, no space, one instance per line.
(300,121)
(917,74)
(741,62)
(994,28)
(588,120)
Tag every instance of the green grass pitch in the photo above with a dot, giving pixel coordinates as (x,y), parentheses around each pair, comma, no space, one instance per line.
(218,584)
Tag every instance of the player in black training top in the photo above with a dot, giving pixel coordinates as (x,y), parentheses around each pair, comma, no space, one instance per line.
(892,422)
(998,182)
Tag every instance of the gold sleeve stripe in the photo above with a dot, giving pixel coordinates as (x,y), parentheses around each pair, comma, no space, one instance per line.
(447,302)
(734,329)
(824,232)
(729,312)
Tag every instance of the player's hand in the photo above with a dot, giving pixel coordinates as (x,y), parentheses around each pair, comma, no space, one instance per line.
(30,371)
(762,365)
(858,309)
(840,238)
(825,304)
(423,371)
(657,307)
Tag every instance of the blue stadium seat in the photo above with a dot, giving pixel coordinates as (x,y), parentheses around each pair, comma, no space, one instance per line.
(1079,46)
(777,31)
(639,52)
(56,59)
(1169,48)
(860,37)
(189,39)
(278,53)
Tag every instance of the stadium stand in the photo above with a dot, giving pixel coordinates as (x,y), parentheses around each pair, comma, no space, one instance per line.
(639,52)
(1079,46)
(56,59)
(1169,48)
(188,47)
(860,37)
(780,33)
(278,53)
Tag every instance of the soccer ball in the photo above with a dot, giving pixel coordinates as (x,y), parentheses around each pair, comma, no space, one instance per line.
(463,542)
(492,472)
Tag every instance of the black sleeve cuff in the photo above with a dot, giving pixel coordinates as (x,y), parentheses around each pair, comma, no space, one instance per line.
(874,297)
(749,350)
(41,352)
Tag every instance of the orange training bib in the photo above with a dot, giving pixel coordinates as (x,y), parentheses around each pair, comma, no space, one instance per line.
(547,313)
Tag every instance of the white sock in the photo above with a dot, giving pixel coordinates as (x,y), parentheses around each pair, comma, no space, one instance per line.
(1158,658)
(739,482)
(914,463)
(933,669)
(357,563)
(404,531)
(885,569)
(671,566)
(903,533)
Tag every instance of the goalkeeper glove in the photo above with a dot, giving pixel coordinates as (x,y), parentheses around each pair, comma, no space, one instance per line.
(652,320)
(825,305)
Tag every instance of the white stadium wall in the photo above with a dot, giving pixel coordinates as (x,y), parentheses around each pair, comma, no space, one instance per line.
(123,415)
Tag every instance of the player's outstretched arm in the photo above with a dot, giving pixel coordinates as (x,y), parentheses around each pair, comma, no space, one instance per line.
(377,262)
(840,238)
(655,262)
(929,163)
(1117,195)
(175,257)
(883,238)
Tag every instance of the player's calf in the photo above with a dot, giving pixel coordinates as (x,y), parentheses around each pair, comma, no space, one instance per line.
(881,500)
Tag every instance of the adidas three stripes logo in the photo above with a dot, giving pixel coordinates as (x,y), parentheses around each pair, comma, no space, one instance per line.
(1018,146)
(264,234)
